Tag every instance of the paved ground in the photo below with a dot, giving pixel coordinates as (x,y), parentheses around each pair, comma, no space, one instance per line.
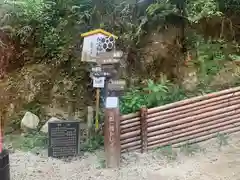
(210,163)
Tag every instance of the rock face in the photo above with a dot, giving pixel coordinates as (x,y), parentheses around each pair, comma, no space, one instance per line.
(29,121)
(44,129)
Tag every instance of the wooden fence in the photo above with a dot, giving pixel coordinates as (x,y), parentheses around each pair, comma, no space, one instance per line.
(187,121)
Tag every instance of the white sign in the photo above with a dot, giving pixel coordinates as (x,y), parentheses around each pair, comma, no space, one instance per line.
(90,47)
(112,102)
(98,82)
(95,44)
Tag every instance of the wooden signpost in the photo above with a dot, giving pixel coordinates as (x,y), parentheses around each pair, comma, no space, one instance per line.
(99,47)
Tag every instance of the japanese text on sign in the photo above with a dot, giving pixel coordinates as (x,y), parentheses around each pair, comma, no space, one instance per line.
(111,131)
(117,85)
(98,82)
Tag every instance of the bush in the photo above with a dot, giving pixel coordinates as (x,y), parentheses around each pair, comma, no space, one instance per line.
(154,94)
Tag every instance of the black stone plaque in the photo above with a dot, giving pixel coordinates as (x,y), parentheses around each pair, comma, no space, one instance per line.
(63,138)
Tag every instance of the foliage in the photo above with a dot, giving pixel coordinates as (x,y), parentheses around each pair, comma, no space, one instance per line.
(151,95)
(157,12)
(199,9)
(167,151)
(93,144)
(209,56)
(222,139)
(191,149)
(33,141)
(46,31)
(35,108)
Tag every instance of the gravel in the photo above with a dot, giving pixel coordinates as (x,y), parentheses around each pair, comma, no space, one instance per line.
(210,165)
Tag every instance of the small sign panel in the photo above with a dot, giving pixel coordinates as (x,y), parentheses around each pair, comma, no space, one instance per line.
(96,69)
(95,42)
(100,74)
(90,47)
(117,85)
(110,69)
(98,82)
(108,61)
(113,57)
(63,138)
(112,102)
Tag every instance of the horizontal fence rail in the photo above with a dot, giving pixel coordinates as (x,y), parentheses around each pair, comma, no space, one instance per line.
(187,121)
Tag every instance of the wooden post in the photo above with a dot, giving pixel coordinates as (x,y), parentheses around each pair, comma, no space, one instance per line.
(112,137)
(71,109)
(143,119)
(89,121)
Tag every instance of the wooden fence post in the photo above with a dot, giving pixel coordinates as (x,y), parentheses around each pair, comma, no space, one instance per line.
(143,122)
(112,144)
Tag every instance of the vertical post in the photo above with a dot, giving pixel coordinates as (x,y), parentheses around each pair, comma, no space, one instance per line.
(97,109)
(90,118)
(4,154)
(112,137)
(143,119)
(3,117)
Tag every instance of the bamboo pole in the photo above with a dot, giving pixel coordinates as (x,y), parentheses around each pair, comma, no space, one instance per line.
(97,109)
(204,138)
(195,99)
(129,140)
(129,116)
(192,107)
(126,126)
(186,138)
(134,148)
(222,117)
(169,117)
(131,129)
(132,144)
(130,135)
(191,130)
(192,118)
(196,139)
(133,120)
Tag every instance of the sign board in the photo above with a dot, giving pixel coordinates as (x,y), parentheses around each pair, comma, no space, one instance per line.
(116,85)
(107,61)
(95,42)
(98,82)
(96,69)
(115,93)
(112,102)
(63,138)
(100,74)
(112,57)
(111,69)
(107,70)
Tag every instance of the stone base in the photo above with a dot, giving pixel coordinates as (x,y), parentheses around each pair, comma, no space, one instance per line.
(4,165)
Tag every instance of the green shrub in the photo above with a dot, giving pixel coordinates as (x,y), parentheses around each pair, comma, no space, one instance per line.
(152,95)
